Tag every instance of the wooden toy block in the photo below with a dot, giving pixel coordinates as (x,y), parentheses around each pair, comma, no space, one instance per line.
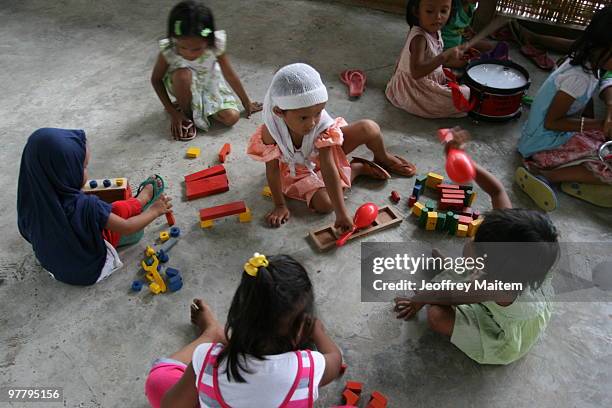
(473,227)
(225,150)
(432,219)
(446,203)
(170,218)
(224,210)
(462,230)
(459,197)
(417,208)
(411,200)
(343,368)
(446,191)
(465,220)
(417,190)
(207,224)
(452,220)
(423,217)
(430,205)
(164,236)
(192,152)
(245,216)
(325,238)
(433,179)
(441,223)
(395,197)
(354,386)
(350,398)
(469,199)
(209,172)
(377,400)
(466,187)
(467,211)
(207,186)
(109,190)
(266,192)
(447,187)
(420,180)
(476,214)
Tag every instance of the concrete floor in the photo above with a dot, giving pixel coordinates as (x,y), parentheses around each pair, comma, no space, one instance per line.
(82,64)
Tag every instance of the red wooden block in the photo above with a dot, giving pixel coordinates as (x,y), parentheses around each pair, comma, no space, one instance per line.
(354,386)
(446,203)
(395,197)
(411,200)
(170,218)
(211,171)
(207,186)
(225,150)
(343,368)
(379,399)
(454,197)
(463,219)
(448,187)
(350,398)
(467,211)
(224,210)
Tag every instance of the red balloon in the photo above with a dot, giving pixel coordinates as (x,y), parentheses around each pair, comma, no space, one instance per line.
(364,217)
(459,166)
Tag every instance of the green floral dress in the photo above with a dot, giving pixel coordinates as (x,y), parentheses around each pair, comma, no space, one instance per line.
(209,91)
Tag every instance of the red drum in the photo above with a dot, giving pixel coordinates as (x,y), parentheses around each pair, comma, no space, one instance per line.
(496,89)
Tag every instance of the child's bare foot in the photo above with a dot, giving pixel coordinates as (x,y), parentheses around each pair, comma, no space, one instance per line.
(406,308)
(146,193)
(203,317)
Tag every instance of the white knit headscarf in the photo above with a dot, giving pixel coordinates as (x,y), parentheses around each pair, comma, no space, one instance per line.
(295,86)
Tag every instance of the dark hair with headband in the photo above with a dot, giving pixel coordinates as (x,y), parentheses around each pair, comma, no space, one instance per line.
(594,47)
(412,11)
(192,19)
(270,307)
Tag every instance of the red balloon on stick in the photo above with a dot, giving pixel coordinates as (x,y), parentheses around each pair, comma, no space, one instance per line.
(364,217)
(459,165)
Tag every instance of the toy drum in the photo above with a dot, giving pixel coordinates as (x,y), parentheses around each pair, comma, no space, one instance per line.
(496,89)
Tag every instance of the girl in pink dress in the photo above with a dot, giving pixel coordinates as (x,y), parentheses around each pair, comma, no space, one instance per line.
(305,149)
(419,85)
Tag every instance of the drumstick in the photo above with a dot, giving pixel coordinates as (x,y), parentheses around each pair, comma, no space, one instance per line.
(493,26)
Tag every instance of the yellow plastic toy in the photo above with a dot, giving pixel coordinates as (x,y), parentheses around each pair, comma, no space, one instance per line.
(164,236)
(149,252)
(245,216)
(266,192)
(157,284)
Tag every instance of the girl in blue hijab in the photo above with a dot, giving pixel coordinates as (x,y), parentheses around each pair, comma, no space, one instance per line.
(65,226)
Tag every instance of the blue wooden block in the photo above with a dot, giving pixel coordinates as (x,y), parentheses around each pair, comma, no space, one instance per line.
(417,190)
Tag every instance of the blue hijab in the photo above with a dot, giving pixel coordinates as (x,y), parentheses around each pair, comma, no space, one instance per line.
(63,224)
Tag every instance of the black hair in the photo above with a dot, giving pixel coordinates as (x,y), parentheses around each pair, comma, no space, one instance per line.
(412,8)
(190,19)
(525,245)
(594,46)
(279,297)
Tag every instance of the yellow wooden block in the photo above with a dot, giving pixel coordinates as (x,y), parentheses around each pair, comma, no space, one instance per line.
(462,230)
(432,220)
(417,208)
(164,236)
(473,227)
(245,216)
(472,198)
(207,224)
(266,192)
(433,179)
(193,152)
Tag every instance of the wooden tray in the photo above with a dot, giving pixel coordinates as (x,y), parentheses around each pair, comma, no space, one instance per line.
(325,238)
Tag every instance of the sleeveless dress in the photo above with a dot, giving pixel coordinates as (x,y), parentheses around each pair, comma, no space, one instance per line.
(209,91)
(429,96)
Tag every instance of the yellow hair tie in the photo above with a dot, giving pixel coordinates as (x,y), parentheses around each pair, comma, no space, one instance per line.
(257,261)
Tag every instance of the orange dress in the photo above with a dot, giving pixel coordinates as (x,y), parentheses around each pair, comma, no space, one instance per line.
(304,184)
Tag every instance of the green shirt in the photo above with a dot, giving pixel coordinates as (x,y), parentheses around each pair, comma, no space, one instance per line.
(452,32)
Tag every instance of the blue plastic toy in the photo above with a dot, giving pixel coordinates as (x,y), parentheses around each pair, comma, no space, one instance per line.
(93,184)
(175,232)
(107,183)
(137,286)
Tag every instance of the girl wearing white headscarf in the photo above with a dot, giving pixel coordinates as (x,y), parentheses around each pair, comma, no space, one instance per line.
(305,149)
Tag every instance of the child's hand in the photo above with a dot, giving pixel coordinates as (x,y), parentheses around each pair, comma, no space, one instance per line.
(252,107)
(344,223)
(406,308)
(454,54)
(278,216)
(162,205)
(459,138)
(176,126)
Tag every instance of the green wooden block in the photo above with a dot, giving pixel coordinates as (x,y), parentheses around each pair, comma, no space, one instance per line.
(430,205)
(451,224)
(441,222)
(420,180)
(423,217)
